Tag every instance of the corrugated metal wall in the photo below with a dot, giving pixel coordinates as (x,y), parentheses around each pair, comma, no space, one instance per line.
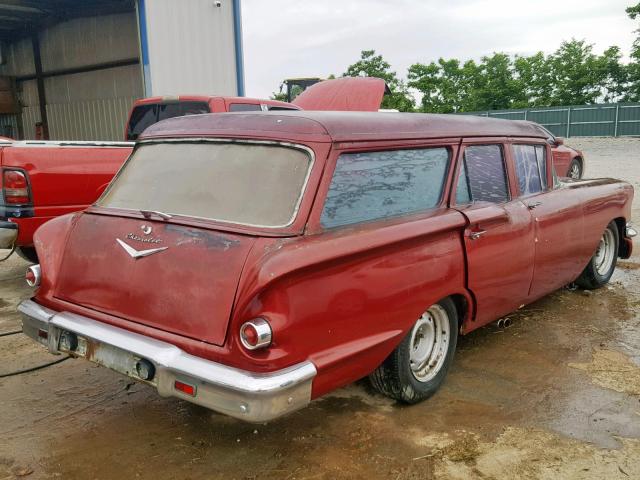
(601,120)
(191,50)
(82,106)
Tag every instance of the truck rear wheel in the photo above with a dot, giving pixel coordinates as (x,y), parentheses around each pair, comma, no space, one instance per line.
(603,262)
(417,367)
(28,253)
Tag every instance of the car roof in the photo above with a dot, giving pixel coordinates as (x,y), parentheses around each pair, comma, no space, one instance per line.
(330,126)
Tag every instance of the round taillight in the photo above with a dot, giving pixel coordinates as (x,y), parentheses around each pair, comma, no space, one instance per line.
(255,334)
(33,276)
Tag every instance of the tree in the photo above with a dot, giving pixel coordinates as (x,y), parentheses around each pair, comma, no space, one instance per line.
(613,75)
(575,75)
(372,65)
(496,88)
(633,70)
(533,76)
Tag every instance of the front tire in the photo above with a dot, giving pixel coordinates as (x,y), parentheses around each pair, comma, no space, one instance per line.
(417,367)
(601,266)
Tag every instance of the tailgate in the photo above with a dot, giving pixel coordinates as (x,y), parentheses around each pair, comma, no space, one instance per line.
(186,284)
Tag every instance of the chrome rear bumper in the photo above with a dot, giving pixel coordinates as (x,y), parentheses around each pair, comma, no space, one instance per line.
(8,234)
(249,396)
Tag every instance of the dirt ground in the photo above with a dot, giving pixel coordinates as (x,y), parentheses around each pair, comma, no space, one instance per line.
(556,395)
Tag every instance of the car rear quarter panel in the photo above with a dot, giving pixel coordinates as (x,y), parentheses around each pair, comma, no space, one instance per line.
(346,298)
(603,200)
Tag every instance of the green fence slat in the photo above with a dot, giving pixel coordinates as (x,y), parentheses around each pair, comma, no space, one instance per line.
(606,119)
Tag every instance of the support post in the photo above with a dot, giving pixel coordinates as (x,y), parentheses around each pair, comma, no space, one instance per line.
(568,122)
(615,125)
(42,99)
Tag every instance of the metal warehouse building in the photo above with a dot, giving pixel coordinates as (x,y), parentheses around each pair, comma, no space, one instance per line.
(70,69)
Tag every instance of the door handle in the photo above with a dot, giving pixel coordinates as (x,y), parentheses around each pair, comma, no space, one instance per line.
(476,234)
(533,205)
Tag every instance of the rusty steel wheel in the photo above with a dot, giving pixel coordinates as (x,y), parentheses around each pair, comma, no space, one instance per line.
(417,367)
(603,262)
(429,342)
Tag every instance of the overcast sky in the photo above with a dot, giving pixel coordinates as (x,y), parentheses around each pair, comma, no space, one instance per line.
(297,38)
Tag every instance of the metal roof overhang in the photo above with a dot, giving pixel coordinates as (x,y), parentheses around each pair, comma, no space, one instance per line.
(22,18)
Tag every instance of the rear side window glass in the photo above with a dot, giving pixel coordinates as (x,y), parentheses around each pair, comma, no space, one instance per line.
(180,109)
(143,116)
(374,185)
(483,176)
(531,168)
(244,107)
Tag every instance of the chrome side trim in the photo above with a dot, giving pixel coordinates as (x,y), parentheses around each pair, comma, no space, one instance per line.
(249,396)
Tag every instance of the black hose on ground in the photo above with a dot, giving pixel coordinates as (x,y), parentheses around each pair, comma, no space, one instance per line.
(6,334)
(33,369)
(13,249)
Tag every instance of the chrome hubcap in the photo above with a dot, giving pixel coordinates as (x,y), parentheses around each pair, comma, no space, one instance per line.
(605,254)
(429,343)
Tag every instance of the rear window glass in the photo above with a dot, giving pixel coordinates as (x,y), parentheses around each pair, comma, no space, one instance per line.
(373,185)
(249,184)
(244,107)
(143,116)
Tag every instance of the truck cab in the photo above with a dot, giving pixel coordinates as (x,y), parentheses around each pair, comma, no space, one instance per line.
(147,111)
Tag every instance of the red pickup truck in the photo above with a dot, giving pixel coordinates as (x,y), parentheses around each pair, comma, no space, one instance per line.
(40,180)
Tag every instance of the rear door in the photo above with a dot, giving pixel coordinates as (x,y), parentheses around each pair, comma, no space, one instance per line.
(557,216)
(499,237)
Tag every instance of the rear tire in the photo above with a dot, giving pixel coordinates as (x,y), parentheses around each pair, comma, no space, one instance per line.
(28,253)
(575,169)
(601,266)
(417,367)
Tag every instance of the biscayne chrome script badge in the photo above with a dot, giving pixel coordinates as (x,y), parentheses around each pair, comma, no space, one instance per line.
(139,253)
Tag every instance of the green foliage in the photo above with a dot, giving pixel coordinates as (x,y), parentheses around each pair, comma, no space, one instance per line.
(572,75)
(372,65)
(633,92)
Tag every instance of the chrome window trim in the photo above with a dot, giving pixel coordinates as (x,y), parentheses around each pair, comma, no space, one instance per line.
(295,146)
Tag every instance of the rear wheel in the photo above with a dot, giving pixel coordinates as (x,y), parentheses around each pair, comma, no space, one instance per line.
(28,253)
(601,266)
(575,169)
(417,367)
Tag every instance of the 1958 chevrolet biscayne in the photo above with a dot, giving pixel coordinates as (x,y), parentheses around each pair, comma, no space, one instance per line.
(252,262)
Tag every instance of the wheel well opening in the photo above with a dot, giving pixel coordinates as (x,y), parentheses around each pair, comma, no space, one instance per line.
(621,223)
(462,307)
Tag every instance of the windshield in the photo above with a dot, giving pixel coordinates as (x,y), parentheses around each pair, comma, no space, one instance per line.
(144,116)
(245,183)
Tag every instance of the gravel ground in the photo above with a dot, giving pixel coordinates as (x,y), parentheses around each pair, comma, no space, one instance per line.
(556,395)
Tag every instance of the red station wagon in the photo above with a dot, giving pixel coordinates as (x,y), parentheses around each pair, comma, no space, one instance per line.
(251,263)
